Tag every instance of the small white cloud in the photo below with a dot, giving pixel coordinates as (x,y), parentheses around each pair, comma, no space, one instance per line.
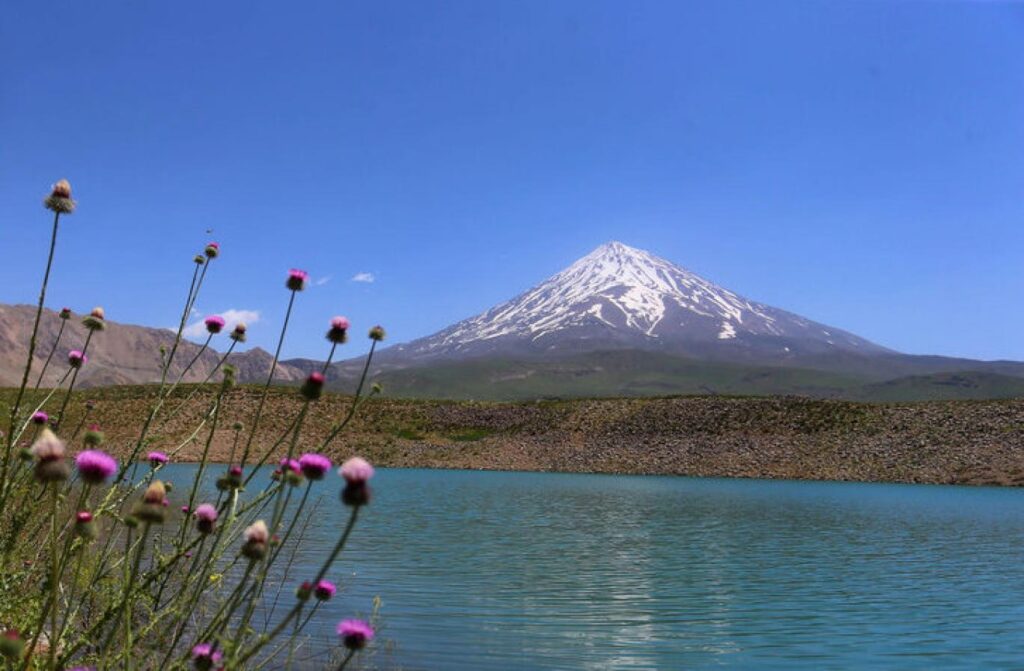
(363,277)
(231,317)
(322,281)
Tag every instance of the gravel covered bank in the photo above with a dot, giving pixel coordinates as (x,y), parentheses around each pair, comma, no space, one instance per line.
(976,442)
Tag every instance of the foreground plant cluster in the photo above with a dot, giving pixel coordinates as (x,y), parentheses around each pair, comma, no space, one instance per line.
(100,572)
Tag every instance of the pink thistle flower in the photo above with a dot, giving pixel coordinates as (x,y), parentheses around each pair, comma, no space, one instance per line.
(356,471)
(77,358)
(95,466)
(291,465)
(204,656)
(206,512)
(296,279)
(355,633)
(83,517)
(338,333)
(214,324)
(157,458)
(314,466)
(40,417)
(206,515)
(235,471)
(184,509)
(324,590)
(313,387)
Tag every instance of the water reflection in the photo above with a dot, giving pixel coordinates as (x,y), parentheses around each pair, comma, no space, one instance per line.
(546,571)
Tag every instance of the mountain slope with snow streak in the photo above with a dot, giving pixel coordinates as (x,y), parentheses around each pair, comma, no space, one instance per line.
(622,297)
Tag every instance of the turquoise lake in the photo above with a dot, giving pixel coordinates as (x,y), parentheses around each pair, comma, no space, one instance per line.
(488,570)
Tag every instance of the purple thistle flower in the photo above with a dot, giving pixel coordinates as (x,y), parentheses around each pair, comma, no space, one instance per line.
(324,590)
(355,633)
(314,466)
(214,324)
(157,458)
(184,509)
(83,517)
(356,471)
(296,279)
(95,466)
(235,471)
(77,358)
(40,417)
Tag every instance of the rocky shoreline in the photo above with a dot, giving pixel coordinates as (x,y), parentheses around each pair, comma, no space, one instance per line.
(941,442)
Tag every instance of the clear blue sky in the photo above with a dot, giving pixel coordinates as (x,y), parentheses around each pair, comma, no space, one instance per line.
(861,163)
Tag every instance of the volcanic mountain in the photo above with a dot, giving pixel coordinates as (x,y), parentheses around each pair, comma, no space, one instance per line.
(623,322)
(620,297)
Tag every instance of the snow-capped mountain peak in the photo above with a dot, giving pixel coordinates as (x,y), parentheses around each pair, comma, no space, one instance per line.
(621,296)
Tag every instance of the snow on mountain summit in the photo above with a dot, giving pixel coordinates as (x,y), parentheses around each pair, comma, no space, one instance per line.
(625,296)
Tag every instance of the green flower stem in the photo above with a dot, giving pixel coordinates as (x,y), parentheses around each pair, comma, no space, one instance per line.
(174,413)
(348,658)
(71,385)
(89,636)
(355,400)
(51,600)
(126,599)
(31,344)
(193,294)
(53,349)
(270,379)
(266,638)
(28,420)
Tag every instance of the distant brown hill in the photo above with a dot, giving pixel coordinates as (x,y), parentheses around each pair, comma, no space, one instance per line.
(121,354)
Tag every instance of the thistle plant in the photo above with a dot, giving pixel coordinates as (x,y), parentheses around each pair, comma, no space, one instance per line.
(100,571)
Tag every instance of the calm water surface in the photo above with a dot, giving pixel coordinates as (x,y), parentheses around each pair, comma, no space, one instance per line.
(482,570)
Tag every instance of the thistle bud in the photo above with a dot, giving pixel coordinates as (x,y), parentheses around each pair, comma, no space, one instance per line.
(304,591)
(85,526)
(95,320)
(59,199)
(11,645)
(49,453)
(152,508)
(238,333)
(199,259)
(212,250)
(93,436)
(313,387)
(65,313)
(377,333)
(256,537)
